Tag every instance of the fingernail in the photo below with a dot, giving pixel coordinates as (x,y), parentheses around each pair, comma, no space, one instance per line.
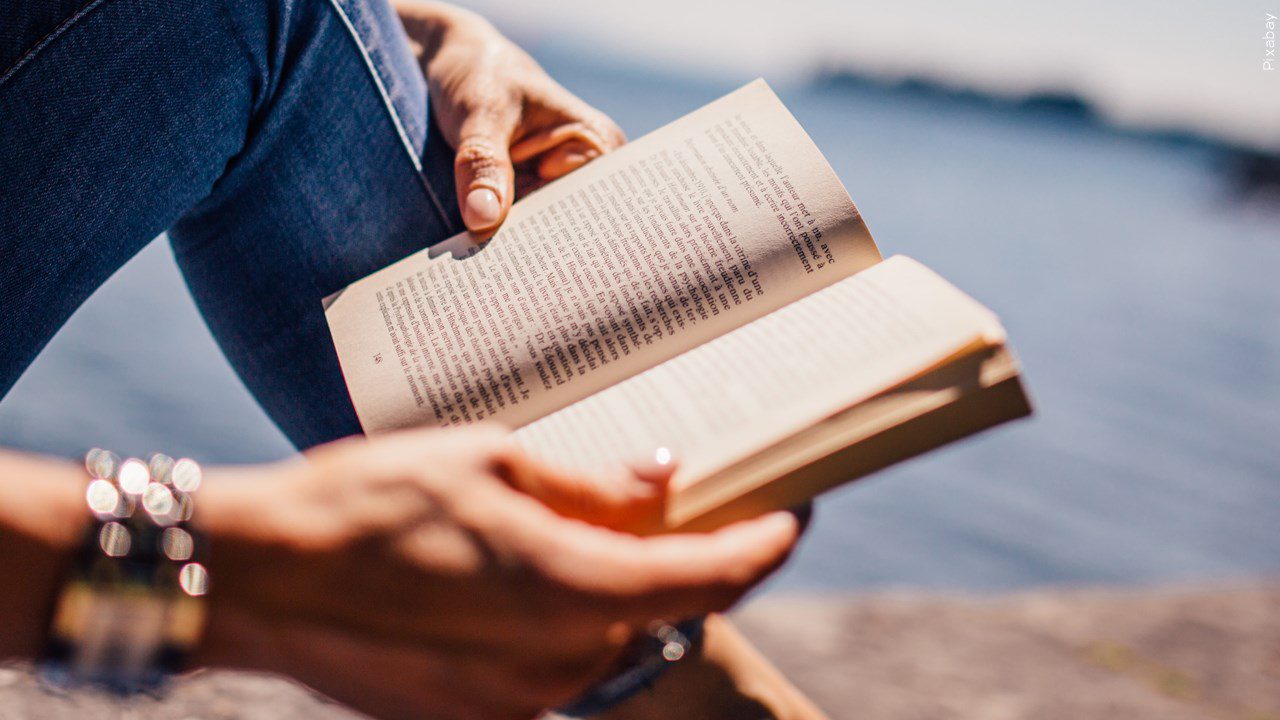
(573,161)
(483,208)
(777,522)
(581,158)
(654,469)
(782,521)
(662,456)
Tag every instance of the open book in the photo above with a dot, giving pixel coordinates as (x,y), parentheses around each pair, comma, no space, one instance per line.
(709,288)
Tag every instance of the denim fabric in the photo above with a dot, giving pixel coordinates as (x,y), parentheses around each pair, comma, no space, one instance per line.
(284,144)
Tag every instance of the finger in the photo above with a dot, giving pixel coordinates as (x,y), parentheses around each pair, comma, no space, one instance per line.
(677,575)
(604,126)
(612,499)
(680,576)
(565,158)
(655,469)
(483,171)
(574,131)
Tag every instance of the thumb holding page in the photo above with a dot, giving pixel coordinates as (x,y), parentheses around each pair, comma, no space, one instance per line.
(483,170)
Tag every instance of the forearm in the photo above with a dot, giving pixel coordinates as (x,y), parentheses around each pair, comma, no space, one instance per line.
(42,519)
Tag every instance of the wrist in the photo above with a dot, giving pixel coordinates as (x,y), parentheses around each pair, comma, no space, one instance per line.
(42,520)
(238,514)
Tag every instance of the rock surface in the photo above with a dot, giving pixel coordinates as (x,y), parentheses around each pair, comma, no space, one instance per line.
(1211,654)
(1049,655)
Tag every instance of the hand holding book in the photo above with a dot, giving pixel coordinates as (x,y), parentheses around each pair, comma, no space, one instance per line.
(709,287)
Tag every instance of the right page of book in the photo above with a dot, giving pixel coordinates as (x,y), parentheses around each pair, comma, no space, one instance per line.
(695,229)
(774,377)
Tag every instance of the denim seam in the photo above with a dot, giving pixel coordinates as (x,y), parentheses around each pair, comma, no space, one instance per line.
(391,110)
(53,34)
(377,80)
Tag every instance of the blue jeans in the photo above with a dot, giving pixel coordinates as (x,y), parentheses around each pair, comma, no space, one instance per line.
(286,146)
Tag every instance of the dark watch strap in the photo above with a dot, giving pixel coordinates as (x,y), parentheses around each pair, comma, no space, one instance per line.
(663,646)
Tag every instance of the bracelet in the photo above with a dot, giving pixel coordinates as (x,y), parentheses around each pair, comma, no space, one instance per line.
(663,645)
(131,607)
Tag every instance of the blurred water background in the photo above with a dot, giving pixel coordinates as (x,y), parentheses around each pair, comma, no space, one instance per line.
(1103,176)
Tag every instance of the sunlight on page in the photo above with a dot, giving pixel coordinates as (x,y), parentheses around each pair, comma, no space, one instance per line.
(695,229)
(774,377)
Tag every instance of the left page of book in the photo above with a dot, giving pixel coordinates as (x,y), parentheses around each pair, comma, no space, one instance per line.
(697,228)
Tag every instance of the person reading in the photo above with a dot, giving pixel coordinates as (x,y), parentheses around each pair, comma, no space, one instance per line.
(527,369)
(709,288)
(289,148)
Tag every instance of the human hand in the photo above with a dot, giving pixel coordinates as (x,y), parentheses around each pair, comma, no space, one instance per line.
(513,127)
(446,571)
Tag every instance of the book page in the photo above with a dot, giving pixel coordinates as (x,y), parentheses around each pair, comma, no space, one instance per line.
(700,227)
(961,397)
(773,378)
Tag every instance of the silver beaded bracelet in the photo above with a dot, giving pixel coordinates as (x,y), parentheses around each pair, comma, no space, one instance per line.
(131,607)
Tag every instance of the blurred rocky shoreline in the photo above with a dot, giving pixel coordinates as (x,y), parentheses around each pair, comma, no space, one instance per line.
(1163,654)
(1204,653)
